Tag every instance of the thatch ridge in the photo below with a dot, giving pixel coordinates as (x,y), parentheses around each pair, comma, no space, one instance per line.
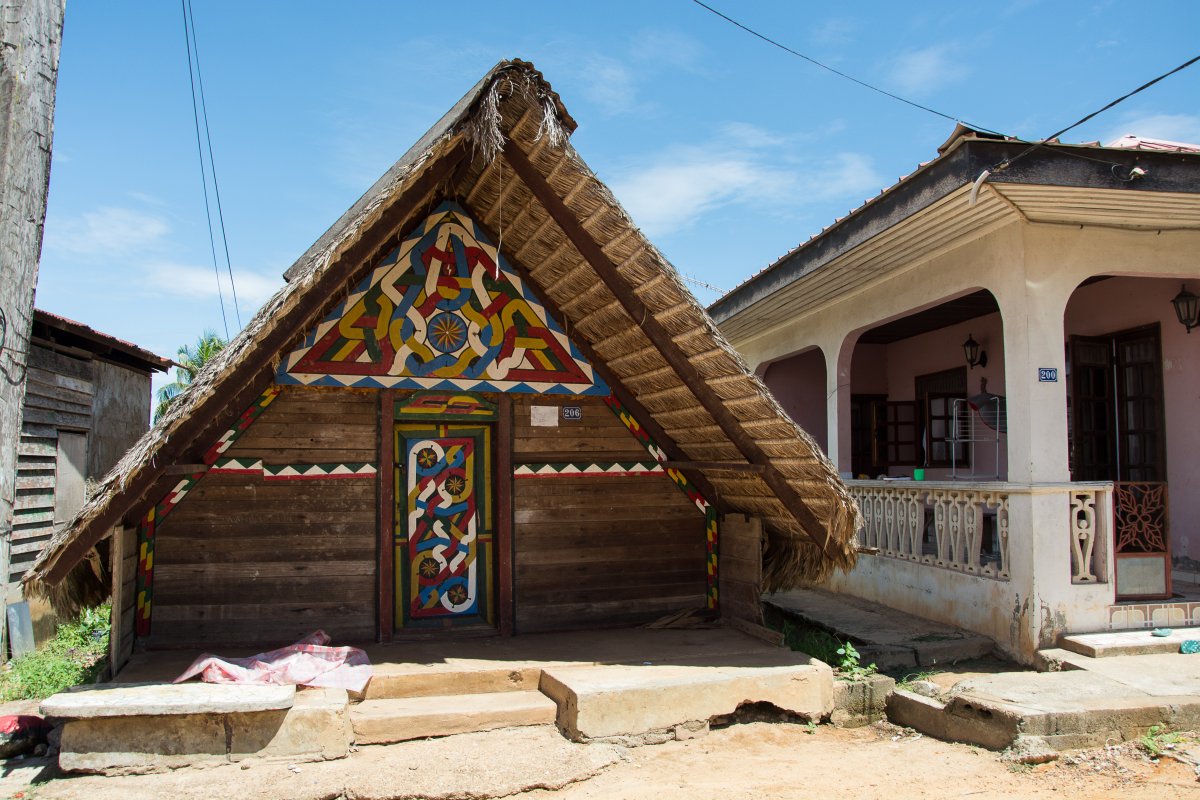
(514,103)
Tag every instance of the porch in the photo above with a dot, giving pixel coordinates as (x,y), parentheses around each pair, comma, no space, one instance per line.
(633,685)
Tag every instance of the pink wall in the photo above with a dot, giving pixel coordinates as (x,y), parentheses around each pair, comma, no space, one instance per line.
(1119,304)
(798,383)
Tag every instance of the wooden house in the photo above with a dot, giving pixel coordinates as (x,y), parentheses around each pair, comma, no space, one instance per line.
(87,400)
(483,401)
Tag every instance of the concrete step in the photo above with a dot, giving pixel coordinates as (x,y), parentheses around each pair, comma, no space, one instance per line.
(1054,711)
(1126,643)
(1057,659)
(888,638)
(435,680)
(641,702)
(400,719)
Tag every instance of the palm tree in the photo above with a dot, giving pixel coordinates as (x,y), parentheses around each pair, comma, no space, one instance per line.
(191,360)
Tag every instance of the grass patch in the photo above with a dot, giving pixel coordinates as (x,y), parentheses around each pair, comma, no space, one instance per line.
(819,643)
(923,675)
(77,654)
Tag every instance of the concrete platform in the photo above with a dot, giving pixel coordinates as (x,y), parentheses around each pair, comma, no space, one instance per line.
(612,701)
(605,683)
(159,699)
(888,638)
(383,721)
(1126,643)
(1094,702)
(314,727)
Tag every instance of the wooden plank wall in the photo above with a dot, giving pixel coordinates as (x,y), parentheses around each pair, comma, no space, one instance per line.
(58,395)
(243,561)
(604,550)
(740,569)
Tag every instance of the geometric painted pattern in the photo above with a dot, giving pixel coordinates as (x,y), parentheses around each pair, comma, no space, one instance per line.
(292,472)
(711,532)
(568,470)
(442,310)
(239,427)
(146,530)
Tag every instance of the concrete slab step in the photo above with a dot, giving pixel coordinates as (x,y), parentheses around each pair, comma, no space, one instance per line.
(888,638)
(619,701)
(435,680)
(1127,643)
(382,721)
(1059,710)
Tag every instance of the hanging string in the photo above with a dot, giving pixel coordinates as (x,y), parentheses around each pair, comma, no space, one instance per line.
(500,227)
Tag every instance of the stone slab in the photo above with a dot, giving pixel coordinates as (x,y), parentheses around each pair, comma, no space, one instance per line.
(930,717)
(165,699)
(315,728)
(614,701)
(402,719)
(1157,674)
(422,680)
(893,639)
(1126,643)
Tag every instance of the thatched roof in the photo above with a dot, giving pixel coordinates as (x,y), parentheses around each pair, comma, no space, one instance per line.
(621,301)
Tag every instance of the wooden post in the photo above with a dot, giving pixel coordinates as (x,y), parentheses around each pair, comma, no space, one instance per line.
(387,513)
(30,39)
(504,516)
(116,547)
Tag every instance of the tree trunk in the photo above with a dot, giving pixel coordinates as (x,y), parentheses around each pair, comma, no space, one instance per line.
(30,40)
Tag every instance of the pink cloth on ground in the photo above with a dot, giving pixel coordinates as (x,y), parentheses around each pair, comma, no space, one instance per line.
(308,662)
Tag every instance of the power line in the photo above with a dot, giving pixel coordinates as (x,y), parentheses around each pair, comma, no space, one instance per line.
(1008,162)
(187,38)
(213,167)
(841,74)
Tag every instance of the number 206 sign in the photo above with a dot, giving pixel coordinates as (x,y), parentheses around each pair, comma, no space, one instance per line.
(572,413)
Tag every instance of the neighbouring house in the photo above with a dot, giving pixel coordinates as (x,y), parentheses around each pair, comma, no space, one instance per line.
(482,401)
(992,349)
(87,399)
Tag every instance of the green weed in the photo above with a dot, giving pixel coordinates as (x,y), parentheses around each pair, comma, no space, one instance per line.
(1159,739)
(77,654)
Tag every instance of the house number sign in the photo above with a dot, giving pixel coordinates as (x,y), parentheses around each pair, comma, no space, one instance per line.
(572,413)
(1048,374)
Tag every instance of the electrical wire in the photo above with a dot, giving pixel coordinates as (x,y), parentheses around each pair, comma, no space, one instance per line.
(187,38)
(841,74)
(1008,162)
(213,167)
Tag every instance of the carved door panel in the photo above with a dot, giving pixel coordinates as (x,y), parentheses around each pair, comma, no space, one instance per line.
(444,542)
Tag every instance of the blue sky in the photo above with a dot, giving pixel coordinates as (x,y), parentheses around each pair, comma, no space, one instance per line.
(726,151)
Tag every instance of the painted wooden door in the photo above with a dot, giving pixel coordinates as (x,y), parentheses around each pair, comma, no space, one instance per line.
(444,541)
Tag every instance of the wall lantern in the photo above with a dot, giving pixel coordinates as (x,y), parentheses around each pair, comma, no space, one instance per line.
(1187,308)
(976,356)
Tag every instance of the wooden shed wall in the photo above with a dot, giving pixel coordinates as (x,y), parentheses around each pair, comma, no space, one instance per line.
(598,550)
(243,560)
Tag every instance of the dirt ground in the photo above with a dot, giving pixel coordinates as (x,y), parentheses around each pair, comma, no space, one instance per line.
(755,760)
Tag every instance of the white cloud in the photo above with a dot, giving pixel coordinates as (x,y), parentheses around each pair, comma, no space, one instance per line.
(926,70)
(666,47)
(835,31)
(166,278)
(610,84)
(107,231)
(747,166)
(1173,127)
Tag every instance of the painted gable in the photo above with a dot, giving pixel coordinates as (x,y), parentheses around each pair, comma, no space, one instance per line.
(443,310)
